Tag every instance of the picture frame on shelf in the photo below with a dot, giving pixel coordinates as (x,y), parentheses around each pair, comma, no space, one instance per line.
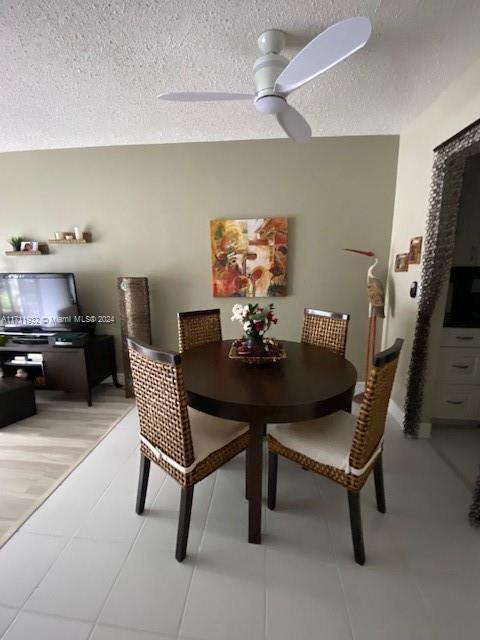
(29,245)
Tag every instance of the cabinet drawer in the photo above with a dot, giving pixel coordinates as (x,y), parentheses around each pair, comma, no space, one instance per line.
(460,337)
(460,366)
(457,402)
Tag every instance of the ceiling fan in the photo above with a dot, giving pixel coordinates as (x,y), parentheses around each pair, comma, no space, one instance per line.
(276,77)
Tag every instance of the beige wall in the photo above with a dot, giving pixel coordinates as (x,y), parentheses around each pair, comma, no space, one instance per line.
(457,107)
(148,209)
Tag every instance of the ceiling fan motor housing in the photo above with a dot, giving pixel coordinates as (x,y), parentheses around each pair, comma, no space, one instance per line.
(268,67)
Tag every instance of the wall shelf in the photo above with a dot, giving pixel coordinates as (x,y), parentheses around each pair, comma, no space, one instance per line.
(87,237)
(25,253)
(82,241)
(41,251)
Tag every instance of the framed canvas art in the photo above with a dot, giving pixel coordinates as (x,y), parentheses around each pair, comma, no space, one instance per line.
(249,257)
(401,262)
(415,253)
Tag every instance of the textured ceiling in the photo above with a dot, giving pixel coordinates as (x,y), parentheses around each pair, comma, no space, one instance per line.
(87,72)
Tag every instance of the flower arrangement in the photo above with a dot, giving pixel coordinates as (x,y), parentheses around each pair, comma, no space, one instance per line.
(255,321)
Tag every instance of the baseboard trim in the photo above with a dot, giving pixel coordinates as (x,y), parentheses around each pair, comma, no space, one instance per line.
(424,430)
(397,413)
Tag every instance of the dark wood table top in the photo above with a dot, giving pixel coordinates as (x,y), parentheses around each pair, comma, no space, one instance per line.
(309,383)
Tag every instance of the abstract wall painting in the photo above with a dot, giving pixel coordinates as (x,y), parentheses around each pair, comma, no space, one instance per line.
(249,257)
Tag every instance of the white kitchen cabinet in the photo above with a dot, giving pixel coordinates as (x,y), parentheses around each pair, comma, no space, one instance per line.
(457,392)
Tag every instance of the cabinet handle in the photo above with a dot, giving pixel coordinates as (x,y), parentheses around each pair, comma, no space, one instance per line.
(460,366)
(464,337)
(455,401)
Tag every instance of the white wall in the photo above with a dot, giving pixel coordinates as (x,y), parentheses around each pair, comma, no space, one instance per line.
(455,108)
(148,209)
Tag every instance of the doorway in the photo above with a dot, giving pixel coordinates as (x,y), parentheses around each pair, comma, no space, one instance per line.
(447,237)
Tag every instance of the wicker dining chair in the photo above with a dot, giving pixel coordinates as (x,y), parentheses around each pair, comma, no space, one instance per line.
(187,444)
(198,327)
(342,447)
(326,329)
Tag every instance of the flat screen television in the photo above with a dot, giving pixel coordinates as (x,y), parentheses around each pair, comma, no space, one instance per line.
(38,302)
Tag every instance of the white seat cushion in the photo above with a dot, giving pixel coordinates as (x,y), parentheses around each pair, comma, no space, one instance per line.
(327,440)
(210,433)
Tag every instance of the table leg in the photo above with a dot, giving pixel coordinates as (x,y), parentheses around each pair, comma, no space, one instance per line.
(254,479)
(246,473)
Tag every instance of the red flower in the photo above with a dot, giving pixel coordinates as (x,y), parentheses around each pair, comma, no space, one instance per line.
(274,320)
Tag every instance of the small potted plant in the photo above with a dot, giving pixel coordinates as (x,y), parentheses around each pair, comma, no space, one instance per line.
(16,242)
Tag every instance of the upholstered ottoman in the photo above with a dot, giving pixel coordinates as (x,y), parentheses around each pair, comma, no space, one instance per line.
(17,400)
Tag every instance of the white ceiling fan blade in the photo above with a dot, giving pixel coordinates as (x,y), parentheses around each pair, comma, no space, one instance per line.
(329,48)
(203,96)
(294,124)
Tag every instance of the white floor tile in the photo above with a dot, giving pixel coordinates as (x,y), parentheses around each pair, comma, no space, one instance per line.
(159,532)
(453,601)
(383,604)
(7,614)
(227,594)
(459,446)
(32,626)
(113,517)
(437,548)
(24,561)
(103,632)
(150,592)
(420,580)
(304,598)
(60,516)
(298,522)
(79,581)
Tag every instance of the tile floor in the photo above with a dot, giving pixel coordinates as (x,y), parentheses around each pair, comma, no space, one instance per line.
(459,446)
(85,566)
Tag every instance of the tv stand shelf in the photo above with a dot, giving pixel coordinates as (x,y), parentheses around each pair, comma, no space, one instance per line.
(69,369)
(19,365)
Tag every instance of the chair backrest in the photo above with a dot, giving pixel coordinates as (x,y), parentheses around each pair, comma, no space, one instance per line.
(373,410)
(326,329)
(198,327)
(161,401)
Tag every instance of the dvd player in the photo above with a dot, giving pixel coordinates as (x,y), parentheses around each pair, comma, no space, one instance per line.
(69,339)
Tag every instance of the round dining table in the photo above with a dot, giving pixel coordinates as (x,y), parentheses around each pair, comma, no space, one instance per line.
(309,383)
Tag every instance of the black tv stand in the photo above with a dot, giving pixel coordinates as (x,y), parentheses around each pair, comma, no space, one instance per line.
(69,369)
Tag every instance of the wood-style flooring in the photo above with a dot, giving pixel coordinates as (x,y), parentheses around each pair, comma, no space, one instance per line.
(38,453)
